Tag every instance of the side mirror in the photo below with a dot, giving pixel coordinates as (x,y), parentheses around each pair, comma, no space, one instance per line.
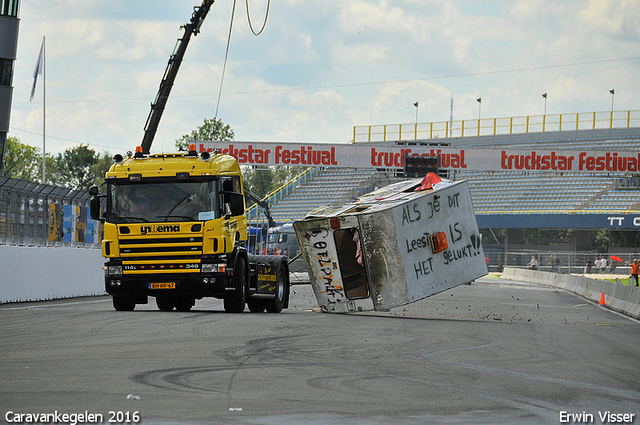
(237,203)
(94,203)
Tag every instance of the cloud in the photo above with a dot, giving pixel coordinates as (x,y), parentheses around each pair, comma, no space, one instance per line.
(319,68)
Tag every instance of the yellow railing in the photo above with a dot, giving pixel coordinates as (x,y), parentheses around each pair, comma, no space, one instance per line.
(495,126)
(254,210)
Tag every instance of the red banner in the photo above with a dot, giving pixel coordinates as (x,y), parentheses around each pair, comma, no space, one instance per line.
(363,155)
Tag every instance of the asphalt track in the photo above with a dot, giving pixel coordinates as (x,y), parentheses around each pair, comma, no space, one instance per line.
(493,352)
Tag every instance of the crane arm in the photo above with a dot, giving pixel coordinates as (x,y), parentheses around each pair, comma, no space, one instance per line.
(264,204)
(157,107)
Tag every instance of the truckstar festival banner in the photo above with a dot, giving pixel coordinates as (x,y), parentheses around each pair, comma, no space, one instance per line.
(362,155)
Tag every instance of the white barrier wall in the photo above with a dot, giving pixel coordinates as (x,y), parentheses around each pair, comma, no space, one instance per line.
(44,273)
(624,299)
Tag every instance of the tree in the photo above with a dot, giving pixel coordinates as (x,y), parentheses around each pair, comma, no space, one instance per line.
(212,129)
(75,167)
(80,167)
(258,180)
(262,181)
(22,161)
(100,168)
(602,239)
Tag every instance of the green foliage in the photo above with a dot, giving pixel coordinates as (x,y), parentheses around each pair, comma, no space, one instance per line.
(547,236)
(75,167)
(262,181)
(22,161)
(493,236)
(601,239)
(78,167)
(625,239)
(101,166)
(258,181)
(212,129)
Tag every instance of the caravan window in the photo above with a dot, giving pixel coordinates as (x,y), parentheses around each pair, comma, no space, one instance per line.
(354,276)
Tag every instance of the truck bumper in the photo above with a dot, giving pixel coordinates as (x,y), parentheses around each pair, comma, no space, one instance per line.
(196,285)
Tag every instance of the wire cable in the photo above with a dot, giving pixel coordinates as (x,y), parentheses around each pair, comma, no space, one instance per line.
(226,55)
(266,16)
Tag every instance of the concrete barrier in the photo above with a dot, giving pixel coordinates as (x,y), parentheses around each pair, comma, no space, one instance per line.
(45,273)
(624,299)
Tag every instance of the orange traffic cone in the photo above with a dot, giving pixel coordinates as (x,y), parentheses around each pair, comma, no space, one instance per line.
(602,299)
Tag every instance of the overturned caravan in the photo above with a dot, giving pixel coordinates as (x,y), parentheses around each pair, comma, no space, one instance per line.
(397,245)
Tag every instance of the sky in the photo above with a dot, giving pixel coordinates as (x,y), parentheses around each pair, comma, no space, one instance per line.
(318,68)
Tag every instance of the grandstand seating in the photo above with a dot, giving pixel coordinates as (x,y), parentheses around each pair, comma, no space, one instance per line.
(497,192)
(329,187)
(535,191)
(490,191)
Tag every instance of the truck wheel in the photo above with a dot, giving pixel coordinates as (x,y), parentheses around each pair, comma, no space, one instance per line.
(123,304)
(184,303)
(276,305)
(164,303)
(256,306)
(234,301)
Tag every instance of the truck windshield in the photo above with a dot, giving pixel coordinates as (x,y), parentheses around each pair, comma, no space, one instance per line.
(162,201)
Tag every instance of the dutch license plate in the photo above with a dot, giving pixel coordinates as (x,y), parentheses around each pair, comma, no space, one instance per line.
(162,285)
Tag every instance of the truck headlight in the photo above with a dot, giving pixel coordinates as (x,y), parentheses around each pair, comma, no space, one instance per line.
(213,268)
(114,270)
(209,268)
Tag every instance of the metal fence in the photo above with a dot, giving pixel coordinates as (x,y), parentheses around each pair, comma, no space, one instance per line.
(576,262)
(35,214)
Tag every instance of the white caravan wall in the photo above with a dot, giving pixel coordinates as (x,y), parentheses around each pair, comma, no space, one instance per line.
(44,273)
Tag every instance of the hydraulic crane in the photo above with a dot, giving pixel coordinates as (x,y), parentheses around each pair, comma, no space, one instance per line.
(175,226)
(157,107)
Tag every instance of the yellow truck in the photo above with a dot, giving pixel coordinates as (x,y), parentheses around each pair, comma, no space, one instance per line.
(175,229)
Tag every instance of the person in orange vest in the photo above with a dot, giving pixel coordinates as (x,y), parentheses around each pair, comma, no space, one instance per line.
(635,267)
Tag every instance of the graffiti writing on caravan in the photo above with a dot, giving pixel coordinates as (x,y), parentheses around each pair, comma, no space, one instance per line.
(396,159)
(325,261)
(306,155)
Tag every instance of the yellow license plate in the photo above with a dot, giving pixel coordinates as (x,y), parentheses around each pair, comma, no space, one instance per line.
(162,285)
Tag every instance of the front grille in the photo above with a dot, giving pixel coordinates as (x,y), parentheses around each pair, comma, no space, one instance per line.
(161,250)
(179,246)
(156,241)
(165,254)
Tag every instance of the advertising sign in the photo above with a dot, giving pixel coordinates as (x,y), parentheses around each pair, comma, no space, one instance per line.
(363,155)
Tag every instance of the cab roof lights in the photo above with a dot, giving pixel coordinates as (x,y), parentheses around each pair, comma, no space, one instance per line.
(192,150)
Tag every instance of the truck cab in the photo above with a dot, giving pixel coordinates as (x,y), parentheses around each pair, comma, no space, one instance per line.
(282,240)
(175,229)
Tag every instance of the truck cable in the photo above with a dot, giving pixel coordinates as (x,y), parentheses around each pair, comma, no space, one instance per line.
(266,16)
(291,260)
(226,54)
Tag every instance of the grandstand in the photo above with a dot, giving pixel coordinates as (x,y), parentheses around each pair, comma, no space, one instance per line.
(491,192)
(495,192)
(331,186)
(510,200)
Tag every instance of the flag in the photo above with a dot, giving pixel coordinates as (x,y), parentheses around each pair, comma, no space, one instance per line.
(37,71)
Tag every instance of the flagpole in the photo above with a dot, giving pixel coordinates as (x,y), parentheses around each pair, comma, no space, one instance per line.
(44,111)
